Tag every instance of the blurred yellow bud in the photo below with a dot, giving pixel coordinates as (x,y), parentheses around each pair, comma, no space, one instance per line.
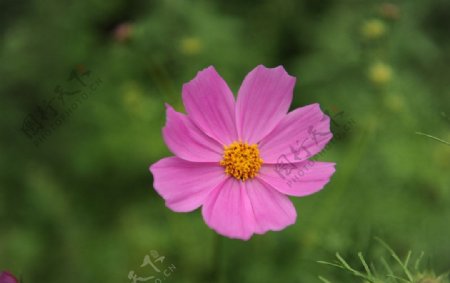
(132,95)
(394,102)
(380,73)
(373,29)
(190,46)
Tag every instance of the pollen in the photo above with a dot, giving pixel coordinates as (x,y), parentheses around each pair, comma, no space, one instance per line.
(241,160)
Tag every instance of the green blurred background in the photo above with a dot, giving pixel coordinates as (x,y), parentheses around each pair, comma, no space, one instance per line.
(78,205)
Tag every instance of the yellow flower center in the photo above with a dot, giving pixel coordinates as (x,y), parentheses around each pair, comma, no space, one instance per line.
(241,160)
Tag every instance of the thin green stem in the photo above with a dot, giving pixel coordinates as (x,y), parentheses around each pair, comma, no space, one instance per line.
(433,137)
(324,280)
(395,256)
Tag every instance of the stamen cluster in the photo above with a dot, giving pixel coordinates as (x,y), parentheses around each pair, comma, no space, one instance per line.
(241,160)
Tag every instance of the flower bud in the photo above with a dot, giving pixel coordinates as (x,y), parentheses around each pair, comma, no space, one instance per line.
(380,74)
(123,32)
(390,11)
(190,46)
(373,29)
(394,102)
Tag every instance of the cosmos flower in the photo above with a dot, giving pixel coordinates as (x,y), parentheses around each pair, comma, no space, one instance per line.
(6,277)
(239,160)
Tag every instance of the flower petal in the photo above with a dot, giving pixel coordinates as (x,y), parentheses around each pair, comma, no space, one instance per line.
(187,141)
(185,185)
(239,209)
(263,100)
(272,210)
(209,102)
(228,210)
(300,135)
(303,178)
(6,277)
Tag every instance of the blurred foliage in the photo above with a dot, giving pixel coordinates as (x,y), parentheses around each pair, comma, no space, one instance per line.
(80,207)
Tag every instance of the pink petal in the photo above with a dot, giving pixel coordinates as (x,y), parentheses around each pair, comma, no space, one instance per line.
(263,100)
(300,135)
(6,277)
(187,141)
(228,211)
(239,209)
(209,102)
(303,178)
(185,185)
(272,210)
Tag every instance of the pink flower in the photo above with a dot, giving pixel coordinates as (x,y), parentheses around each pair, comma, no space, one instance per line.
(240,160)
(6,277)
